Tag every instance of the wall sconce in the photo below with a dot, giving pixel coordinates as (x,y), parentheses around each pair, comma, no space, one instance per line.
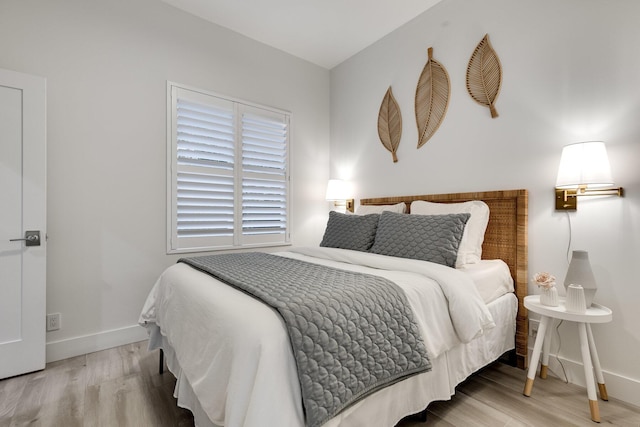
(338,193)
(584,171)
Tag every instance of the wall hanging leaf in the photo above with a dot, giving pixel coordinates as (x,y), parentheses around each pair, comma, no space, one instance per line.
(484,75)
(432,98)
(390,123)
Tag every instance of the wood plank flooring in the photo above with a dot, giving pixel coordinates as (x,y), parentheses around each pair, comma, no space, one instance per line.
(121,387)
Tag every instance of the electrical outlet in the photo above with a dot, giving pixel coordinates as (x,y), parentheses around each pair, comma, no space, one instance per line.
(533,327)
(53,322)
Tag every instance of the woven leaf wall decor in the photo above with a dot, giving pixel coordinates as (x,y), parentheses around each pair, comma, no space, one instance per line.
(432,98)
(484,75)
(390,123)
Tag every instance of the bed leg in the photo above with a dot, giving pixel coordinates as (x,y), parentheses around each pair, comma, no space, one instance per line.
(510,358)
(161,363)
(420,417)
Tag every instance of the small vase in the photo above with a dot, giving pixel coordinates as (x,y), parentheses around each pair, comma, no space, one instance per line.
(549,296)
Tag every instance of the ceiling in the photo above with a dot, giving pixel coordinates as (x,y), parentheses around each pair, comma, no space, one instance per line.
(324,32)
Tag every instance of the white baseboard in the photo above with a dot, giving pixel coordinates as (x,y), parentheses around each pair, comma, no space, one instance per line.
(77,346)
(618,386)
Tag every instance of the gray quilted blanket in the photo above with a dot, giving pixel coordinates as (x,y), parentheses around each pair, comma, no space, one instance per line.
(351,333)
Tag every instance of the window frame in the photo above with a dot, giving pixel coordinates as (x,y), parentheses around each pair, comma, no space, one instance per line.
(240,239)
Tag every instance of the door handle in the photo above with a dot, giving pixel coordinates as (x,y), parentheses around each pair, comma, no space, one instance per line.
(31,238)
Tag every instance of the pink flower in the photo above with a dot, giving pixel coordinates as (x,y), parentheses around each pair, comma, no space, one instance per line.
(544,280)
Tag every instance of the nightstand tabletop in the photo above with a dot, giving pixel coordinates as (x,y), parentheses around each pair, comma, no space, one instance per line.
(595,314)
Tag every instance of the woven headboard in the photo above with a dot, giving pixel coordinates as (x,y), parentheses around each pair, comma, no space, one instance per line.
(505,238)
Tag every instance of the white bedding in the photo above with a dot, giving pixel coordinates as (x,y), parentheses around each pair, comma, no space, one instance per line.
(232,356)
(492,278)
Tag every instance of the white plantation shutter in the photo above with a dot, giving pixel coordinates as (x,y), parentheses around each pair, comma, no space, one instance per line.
(228,173)
(264,175)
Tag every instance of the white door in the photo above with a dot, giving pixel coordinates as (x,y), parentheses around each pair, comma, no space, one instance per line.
(22,213)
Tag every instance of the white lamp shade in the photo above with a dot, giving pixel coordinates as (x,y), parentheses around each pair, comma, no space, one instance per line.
(584,164)
(337,189)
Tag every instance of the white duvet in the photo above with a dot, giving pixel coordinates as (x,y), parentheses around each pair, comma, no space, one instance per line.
(235,353)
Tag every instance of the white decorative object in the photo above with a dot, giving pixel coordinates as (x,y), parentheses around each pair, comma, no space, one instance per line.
(580,273)
(575,299)
(547,284)
(549,296)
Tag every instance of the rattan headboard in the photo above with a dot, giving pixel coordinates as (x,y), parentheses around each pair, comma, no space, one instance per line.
(505,238)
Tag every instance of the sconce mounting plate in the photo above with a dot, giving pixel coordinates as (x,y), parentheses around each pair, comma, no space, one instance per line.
(566,200)
(350,205)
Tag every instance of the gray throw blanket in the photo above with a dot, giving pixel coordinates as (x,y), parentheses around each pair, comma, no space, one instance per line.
(351,333)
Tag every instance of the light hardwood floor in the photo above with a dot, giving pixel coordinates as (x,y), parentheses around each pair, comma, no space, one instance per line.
(122,387)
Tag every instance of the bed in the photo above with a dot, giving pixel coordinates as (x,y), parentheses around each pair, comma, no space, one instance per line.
(233,359)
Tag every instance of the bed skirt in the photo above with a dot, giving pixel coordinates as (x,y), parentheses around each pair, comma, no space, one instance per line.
(449,370)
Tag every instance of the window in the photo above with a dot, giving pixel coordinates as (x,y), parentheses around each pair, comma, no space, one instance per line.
(228,173)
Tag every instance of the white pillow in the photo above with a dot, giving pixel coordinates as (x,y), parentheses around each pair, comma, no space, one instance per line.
(371,209)
(470,250)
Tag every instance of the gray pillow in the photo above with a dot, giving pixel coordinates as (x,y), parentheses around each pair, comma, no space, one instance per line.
(355,232)
(434,238)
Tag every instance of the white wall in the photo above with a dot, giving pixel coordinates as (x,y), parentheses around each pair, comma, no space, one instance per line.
(571,73)
(106,64)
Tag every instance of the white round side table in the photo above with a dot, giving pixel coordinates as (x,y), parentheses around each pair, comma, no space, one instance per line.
(595,314)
